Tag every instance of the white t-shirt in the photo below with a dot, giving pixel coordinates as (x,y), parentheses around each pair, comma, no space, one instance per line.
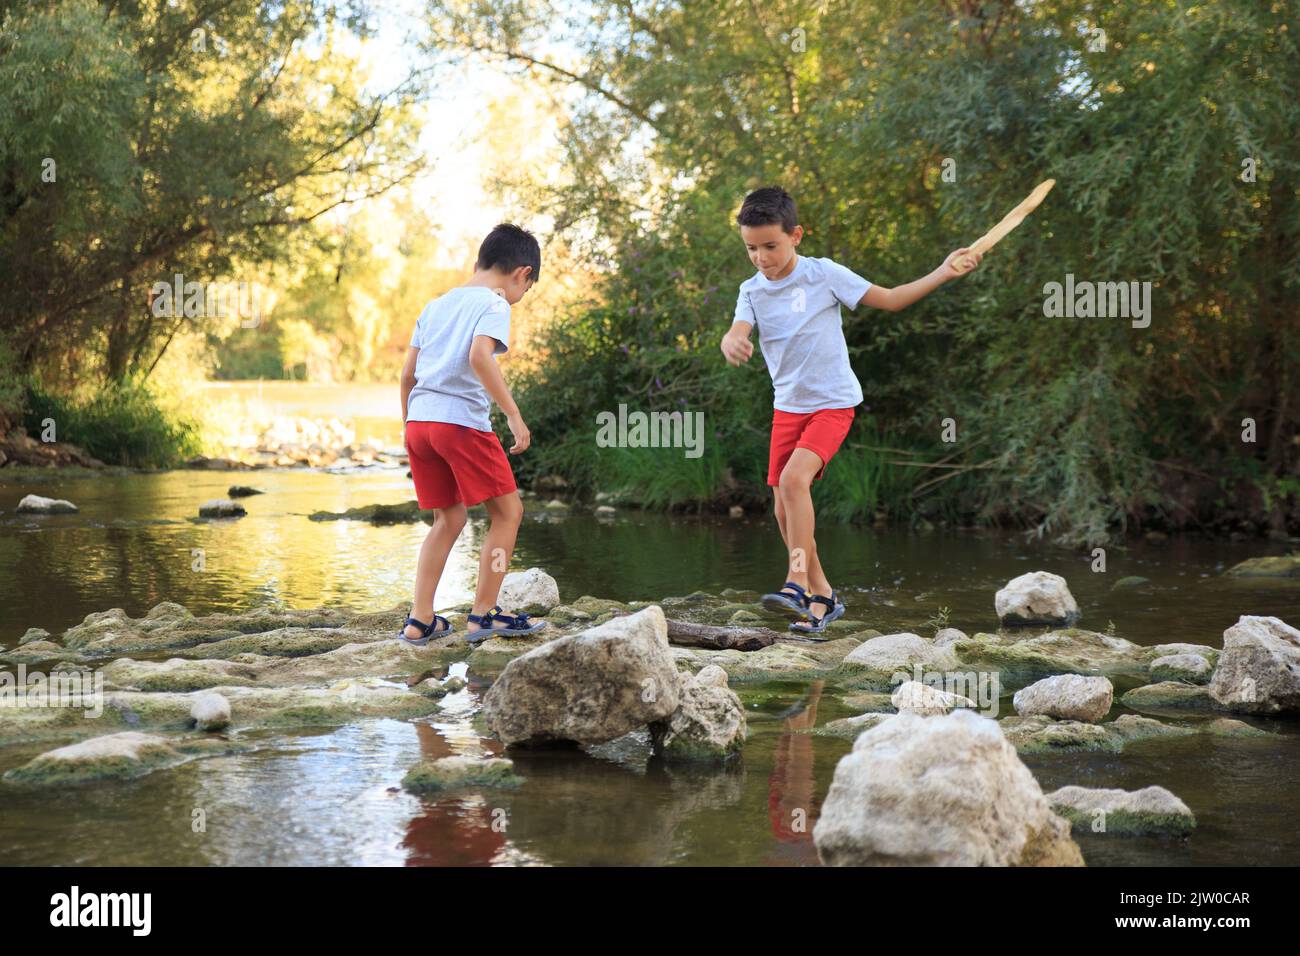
(801,333)
(446,388)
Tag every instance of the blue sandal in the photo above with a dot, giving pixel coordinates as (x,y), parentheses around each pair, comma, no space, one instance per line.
(515,624)
(783,603)
(815,625)
(427,631)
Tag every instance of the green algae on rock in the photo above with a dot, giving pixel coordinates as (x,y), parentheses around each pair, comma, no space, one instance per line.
(252,707)
(460,772)
(1170,694)
(1149,810)
(117,756)
(406,512)
(1276,566)
(1064,651)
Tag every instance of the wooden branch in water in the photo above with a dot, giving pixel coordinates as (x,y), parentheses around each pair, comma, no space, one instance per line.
(688,634)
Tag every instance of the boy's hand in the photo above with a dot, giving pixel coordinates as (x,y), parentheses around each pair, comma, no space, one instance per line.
(519,431)
(960,262)
(736,348)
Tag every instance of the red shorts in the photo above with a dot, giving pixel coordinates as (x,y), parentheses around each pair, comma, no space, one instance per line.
(453,464)
(821,432)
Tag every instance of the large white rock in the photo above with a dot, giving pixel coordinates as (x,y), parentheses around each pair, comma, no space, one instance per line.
(1066,697)
(925,700)
(529,592)
(892,653)
(1038,597)
(709,722)
(588,687)
(1259,669)
(210,710)
(36,505)
(939,791)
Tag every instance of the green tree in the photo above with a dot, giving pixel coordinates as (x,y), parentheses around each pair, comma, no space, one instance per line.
(147,138)
(1169,128)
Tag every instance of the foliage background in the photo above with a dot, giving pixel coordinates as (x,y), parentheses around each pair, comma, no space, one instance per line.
(1072,428)
(633,130)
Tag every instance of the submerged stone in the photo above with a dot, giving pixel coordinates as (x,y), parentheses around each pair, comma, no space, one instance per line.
(460,772)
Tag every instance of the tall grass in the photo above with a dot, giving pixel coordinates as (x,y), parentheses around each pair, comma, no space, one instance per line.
(665,477)
(126,424)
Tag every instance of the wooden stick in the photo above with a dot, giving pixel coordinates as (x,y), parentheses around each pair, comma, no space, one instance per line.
(1012,219)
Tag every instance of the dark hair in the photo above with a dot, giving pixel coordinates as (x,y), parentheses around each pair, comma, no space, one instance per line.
(768,205)
(507,247)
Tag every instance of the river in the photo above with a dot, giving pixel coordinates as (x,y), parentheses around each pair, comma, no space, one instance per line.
(330,797)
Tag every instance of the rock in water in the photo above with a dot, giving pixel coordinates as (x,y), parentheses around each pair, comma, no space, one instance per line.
(1284,566)
(460,772)
(949,635)
(709,722)
(36,505)
(925,700)
(939,791)
(114,755)
(883,657)
(529,592)
(1066,697)
(1038,597)
(588,687)
(1192,668)
(1259,669)
(1149,810)
(210,711)
(221,508)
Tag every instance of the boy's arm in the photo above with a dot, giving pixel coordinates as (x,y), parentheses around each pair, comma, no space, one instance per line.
(408,379)
(900,297)
(736,347)
(482,359)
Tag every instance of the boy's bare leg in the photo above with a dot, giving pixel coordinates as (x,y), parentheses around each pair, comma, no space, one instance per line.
(794,494)
(447,526)
(814,565)
(505,513)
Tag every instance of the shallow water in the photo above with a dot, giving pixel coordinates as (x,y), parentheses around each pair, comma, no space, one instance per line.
(329,797)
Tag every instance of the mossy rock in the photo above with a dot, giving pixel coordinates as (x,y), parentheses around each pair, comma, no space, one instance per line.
(849,728)
(784,660)
(1230,727)
(1130,583)
(177,675)
(1059,651)
(870,702)
(596,607)
(119,756)
(1282,566)
(460,773)
(1169,694)
(251,707)
(405,513)
(284,642)
(1039,734)
(1126,823)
